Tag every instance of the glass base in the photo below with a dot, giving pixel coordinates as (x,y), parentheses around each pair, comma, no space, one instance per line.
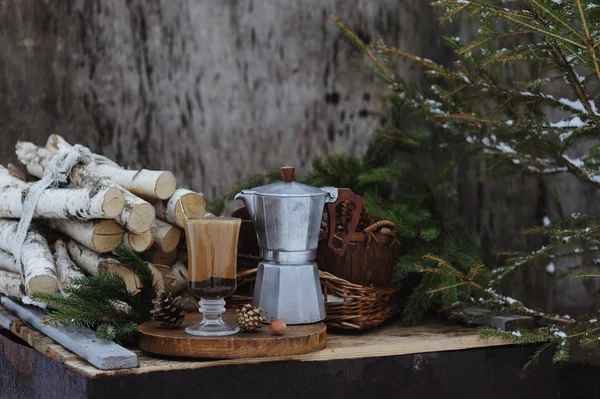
(212,330)
(212,324)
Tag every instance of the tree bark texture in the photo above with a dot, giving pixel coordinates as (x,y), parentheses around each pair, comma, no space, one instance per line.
(215,91)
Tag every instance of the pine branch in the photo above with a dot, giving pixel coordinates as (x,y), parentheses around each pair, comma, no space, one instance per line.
(586,275)
(588,38)
(101,285)
(120,333)
(574,81)
(536,356)
(419,301)
(130,259)
(149,289)
(519,18)
(522,337)
(366,49)
(562,352)
(92,301)
(52,300)
(560,20)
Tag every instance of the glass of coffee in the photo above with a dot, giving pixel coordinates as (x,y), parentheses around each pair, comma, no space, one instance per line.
(212,259)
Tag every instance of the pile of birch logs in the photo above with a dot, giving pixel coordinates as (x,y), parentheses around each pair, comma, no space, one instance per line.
(75,228)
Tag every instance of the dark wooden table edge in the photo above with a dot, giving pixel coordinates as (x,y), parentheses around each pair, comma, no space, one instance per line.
(463,373)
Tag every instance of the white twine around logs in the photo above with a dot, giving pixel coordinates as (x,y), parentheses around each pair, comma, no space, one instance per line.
(55,174)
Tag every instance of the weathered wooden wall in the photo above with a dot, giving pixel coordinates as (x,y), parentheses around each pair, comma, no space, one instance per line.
(217,90)
(212,91)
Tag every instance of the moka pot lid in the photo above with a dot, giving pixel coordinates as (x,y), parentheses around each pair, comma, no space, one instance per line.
(288,187)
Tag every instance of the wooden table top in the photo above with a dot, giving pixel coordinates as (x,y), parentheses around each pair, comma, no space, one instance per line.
(390,340)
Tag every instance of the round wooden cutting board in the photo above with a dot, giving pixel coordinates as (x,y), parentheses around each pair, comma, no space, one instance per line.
(297,340)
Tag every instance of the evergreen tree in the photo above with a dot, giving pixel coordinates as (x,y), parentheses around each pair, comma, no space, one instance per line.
(508,122)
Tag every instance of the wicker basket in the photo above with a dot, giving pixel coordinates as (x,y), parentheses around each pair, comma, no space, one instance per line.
(348,306)
(369,259)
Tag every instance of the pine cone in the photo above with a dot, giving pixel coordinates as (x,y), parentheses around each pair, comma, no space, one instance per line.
(168,311)
(249,318)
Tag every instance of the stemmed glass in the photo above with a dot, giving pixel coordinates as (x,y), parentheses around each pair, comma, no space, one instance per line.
(212,259)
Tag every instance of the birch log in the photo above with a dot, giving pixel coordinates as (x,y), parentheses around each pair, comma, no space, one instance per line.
(137,214)
(8,262)
(158,256)
(163,277)
(8,178)
(169,279)
(73,204)
(39,272)
(180,273)
(11,284)
(182,254)
(98,235)
(166,236)
(138,242)
(153,184)
(19,171)
(93,263)
(157,278)
(66,269)
(183,202)
(190,304)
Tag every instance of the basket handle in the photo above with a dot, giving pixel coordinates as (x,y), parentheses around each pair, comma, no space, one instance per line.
(381,223)
(344,194)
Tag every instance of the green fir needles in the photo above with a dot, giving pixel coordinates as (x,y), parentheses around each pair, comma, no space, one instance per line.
(524,126)
(102,302)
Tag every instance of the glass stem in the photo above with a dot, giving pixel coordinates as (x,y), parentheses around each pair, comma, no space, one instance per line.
(212,310)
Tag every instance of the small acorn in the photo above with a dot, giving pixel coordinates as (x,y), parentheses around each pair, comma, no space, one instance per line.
(277,327)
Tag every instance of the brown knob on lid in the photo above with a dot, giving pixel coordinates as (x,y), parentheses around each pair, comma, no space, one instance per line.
(287,173)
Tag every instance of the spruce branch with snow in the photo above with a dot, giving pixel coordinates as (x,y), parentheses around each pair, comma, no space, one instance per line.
(523,125)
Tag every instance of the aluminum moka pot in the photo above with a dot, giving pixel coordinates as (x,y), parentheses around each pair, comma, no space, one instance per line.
(287,218)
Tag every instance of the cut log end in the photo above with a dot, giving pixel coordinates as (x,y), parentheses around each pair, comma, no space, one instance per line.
(53,142)
(138,242)
(171,239)
(194,206)
(141,219)
(163,277)
(131,279)
(19,171)
(42,283)
(157,256)
(165,185)
(113,202)
(107,234)
(165,258)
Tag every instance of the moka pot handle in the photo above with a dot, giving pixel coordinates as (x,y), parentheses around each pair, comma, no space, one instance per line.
(344,194)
